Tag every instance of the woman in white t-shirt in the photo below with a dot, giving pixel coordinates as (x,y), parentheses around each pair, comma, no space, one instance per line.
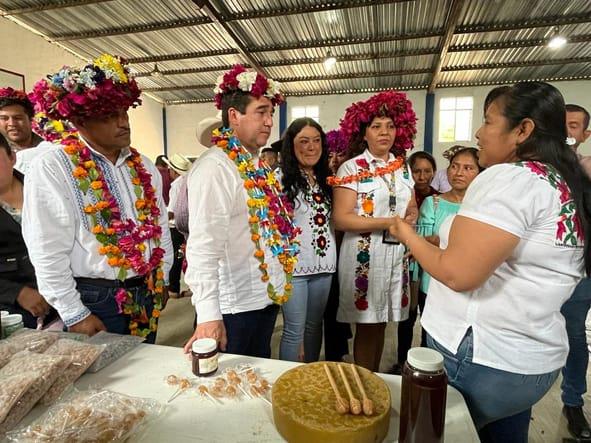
(303,172)
(508,261)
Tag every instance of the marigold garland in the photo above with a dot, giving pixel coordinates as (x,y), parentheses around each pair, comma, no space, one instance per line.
(270,213)
(123,242)
(366,174)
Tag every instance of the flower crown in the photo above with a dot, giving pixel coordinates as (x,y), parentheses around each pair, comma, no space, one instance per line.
(9,96)
(391,104)
(336,142)
(239,79)
(95,91)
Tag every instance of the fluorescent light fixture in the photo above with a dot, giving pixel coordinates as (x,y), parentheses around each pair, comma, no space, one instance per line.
(329,61)
(156,72)
(557,40)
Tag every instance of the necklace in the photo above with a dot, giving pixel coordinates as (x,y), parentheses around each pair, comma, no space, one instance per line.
(270,213)
(123,242)
(365,173)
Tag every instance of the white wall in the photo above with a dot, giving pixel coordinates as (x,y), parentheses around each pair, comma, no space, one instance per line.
(31,55)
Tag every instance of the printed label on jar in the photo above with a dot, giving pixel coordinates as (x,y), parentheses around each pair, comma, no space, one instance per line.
(207,365)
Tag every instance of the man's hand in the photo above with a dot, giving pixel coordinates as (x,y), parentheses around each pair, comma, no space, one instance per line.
(210,329)
(89,326)
(32,301)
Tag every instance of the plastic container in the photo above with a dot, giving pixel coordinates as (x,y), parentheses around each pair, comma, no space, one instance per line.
(423,397)
(11,323)
(205,357)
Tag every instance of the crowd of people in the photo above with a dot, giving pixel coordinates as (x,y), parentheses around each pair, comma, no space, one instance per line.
(342,232)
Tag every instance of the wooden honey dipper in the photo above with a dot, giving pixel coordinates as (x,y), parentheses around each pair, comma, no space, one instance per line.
(367,403)
(342,406)
(355,403)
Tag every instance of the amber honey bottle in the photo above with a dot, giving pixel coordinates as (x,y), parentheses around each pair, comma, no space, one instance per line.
(423,397)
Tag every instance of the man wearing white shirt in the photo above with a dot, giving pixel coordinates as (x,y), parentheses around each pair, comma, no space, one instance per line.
(229,293)
(94,219)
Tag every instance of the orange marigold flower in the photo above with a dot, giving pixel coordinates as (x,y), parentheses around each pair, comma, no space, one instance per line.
(130,163)
(89,209)
(103,250)
(159,275)
(367,206)
(259,253)
(140,203)
(255,237)
(113,261)
(110,231)
(141,217)
(265,278)
(223,143)
(132,325)
(96,184)
(136,181)
(288,286)
(71,150)
(249,184)
(232,155)
(253,219)
(102,205)
(89,164)
(141,247)
(80,172)
(97,230)
(155,313)
(158,290)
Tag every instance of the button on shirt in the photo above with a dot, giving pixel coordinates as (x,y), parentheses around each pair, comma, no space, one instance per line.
(515,315)
(222,271)
(58,232)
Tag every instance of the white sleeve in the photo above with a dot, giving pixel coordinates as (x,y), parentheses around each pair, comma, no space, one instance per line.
(165,239)
(211,190)
(346,169)
(508,197)
(49,230)
(174,193)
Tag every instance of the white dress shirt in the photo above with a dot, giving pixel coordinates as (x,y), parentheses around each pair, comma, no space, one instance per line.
(58,232)
(222,271)
(384,293)
(24,157)
(515,315)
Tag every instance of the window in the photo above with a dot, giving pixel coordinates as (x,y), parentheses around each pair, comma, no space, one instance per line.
(455,119)
(305,111)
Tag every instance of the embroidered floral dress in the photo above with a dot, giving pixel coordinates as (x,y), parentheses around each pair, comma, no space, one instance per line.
(373,276)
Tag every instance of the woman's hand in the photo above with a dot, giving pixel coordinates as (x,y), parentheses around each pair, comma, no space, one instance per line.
(400,229)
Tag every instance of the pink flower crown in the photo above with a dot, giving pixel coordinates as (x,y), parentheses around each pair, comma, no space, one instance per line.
(13,94)
(336,142)
(239,79)
(391,104)
(97,90)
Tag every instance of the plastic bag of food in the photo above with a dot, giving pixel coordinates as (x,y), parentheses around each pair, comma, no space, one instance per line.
(6,351)
(46,369)
(12,389)
(116,346)
(82,354)
(32,340)
(69,335)
(94,415)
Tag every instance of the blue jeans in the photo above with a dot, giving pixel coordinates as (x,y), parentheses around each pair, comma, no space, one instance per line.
(302,317)
(249,333)
(499,401)
(101,302)
(574,382)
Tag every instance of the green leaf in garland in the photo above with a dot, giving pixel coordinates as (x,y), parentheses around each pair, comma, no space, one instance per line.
(84,184)
(106,214)
(98,193)
(133,172)
(102,238)
(93,174)
(138,191)
(122,275)
(75,159)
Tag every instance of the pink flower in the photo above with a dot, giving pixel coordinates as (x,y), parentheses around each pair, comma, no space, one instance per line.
(361,162)
(121,298)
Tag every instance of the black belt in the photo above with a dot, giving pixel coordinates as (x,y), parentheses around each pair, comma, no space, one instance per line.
(132,282)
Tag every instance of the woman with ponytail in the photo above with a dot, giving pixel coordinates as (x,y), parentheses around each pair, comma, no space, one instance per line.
(508,261)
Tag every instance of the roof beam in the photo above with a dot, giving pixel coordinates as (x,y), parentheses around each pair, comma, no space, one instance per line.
(182,56)
(583,38)
(451,22)
(295,10)
(59,4)
(539,22)
(521,64)
(189,70)
(216,17)
(135,29)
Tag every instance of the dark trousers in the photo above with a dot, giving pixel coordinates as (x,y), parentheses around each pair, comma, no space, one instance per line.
(175,272)
(249,333)
(406,327)
(100,299)
(336,334)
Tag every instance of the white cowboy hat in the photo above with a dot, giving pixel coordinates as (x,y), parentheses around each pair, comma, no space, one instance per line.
(179,163)
(205,127)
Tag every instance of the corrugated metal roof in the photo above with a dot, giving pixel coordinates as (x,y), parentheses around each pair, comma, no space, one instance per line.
(379,44)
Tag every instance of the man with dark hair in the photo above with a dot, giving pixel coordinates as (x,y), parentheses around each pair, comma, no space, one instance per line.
(574,382)
(235,250)
(16,112)
(94,220)
(270,157)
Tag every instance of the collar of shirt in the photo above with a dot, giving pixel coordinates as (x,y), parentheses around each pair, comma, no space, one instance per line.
(370,158)
(123,154)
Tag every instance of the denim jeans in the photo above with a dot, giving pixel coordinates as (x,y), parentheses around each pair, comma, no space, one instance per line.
(499,401)
(249,333)
(302,317)
(101,302)
(574,382)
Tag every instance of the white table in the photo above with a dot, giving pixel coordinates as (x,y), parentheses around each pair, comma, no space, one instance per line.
(191,418)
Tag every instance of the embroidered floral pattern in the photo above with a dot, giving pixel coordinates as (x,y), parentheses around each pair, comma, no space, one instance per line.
(319,220)
(363,256)
(569,231)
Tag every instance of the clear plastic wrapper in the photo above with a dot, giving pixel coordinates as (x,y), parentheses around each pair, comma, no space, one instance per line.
(12,389)
(116,346)
(6,351)
(32,340)
(96,416)
(82,354)
(69,335)
(46,369)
